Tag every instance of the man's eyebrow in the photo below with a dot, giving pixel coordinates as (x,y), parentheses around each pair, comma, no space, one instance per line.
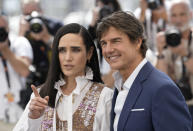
(117,38)
(101,41)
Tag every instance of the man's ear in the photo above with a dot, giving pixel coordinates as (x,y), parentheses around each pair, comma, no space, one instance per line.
(89,54)
(139,43)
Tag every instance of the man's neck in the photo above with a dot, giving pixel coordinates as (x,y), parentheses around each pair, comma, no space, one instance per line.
(125,73)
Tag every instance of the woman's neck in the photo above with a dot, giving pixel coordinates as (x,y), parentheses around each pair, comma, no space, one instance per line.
(69,86)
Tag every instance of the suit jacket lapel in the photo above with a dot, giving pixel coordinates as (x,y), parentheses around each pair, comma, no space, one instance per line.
(133,94)
(112,109)
(129,103)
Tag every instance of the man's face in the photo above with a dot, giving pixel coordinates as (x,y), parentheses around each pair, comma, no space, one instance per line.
(118,50)
(29,8)
(180,16)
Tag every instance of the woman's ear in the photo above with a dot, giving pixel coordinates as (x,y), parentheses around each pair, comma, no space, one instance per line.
(89,54)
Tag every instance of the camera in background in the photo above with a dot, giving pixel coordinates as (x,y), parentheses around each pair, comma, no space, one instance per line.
(154,4)
(105,11)
(173,37)
(3,34)
(35,21)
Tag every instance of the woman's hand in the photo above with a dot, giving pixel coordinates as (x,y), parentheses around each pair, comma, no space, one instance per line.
(37,105)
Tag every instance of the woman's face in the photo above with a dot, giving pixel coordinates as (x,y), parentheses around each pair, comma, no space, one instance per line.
(73,55)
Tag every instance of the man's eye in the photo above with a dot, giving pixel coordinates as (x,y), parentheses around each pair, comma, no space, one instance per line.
(103,44)
(116,41)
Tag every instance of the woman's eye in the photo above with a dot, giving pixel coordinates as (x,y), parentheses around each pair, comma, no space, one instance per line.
(76,49)
(61,50)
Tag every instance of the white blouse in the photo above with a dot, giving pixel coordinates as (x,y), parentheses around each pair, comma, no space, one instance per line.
(69,104)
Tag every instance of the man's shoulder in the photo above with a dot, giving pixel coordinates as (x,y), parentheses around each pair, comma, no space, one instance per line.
(157,78)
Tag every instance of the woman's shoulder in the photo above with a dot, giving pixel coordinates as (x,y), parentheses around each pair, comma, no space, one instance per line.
(106,92)
(102,86)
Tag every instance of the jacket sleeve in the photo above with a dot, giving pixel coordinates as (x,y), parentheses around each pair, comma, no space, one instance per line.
(102,116)
(169,110)
(27,124)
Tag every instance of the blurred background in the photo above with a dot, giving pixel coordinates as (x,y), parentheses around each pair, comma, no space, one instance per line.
(65,11)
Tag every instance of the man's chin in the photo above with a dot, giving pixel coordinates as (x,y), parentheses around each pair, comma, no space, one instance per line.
(115,67)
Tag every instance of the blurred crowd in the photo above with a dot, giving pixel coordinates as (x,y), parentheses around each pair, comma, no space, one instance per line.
(25,56)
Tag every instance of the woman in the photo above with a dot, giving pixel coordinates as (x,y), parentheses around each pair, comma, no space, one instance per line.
(72,97)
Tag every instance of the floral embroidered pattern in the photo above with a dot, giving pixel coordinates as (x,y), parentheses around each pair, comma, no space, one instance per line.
(83,118)
(47,123)
(61,125)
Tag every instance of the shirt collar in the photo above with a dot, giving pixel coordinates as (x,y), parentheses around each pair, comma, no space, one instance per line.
(80,80)
(127,84)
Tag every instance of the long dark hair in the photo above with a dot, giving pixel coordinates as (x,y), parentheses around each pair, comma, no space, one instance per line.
(47,89)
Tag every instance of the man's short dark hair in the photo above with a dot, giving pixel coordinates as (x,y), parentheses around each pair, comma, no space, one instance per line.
(125,22)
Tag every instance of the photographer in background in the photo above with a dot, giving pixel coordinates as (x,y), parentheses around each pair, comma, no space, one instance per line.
(102,9)
(39,30)
(175,48)
(152,13)
(15,58)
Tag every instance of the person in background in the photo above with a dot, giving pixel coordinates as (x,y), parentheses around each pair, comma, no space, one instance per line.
(153,14)
(175,49)
(39,30)
(145,99)
(103,8)
(15,57)
(73,96)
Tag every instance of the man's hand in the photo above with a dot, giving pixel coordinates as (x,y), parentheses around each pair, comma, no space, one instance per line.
(37,104)
(44,35)
(161,42)
(23,27)
(95,16)
(143,5)
(4,46)
(181,49)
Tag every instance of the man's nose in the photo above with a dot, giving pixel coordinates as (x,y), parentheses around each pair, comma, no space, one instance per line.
(109,48)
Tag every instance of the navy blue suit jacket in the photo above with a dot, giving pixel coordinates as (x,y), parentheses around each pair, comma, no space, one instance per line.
(163,106)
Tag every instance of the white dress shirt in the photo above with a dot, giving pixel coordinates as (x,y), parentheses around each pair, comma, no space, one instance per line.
(66,108)
(121,97)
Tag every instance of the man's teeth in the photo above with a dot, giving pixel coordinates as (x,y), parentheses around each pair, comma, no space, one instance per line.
(112,57)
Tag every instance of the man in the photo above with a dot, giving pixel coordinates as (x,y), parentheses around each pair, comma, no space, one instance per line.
(15,58)
(145,99)
(176,60)
(154,17)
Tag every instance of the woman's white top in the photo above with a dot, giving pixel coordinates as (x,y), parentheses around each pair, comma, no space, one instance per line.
(69,104)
